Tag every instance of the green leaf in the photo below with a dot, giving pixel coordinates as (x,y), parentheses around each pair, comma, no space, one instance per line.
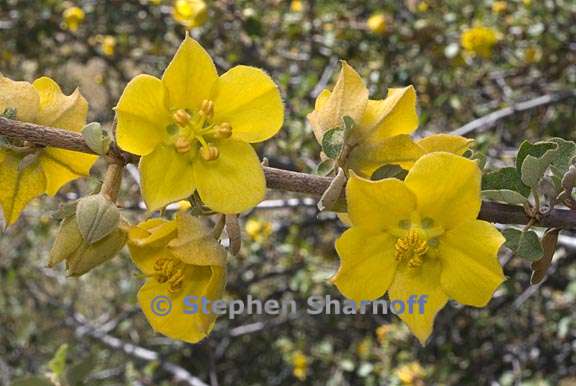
(389,171)
(325,167)
(505,179)
(96,138)
(503,195)
(332,142)
(524,244)
(534,168)
(9,113)
(77,374)
(536,150)
(58,363)
(563,156)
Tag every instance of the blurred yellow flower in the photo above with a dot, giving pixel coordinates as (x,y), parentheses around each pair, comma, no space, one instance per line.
(527,2)
(364,348)
(532,54)
(382,332)
(411,374)
(378,23)
(108,45)
(423,6)
(499,6)
(258,230)
(300,365)
(194,131)
(420,236)
(190,13)
(73,17)
(179,258)
(479,40)
(296,6)
(30,171)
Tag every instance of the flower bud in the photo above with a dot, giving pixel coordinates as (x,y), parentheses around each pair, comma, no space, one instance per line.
(97,217)
(81,256)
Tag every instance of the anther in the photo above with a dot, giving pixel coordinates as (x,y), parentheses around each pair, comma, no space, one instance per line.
(223,130)
(207,108)
(183,144)
(181,117)
(209,153)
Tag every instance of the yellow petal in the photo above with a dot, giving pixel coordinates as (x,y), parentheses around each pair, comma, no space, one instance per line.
(367,264)
(20,96)
(378,205)
(190,76)
(349,98)
(195,243)
(232,183)
(198,281)
(425,280)
(249,100)
(147,242)
(19,187)
(447,188)
(142,115)
(62,166)
(400,150)
(471,271)
(167,176)
(59,110)
(396,114)
(454,144)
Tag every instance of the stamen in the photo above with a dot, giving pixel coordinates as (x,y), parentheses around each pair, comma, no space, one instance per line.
(209,153)
(412,248)
(207,108)
(223,130)
(183,144)
(181,117)
(170,271)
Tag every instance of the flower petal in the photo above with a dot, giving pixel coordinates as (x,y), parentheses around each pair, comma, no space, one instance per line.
(424,281)
(190,76)
(199,281)
(249,100)
(142,115)
(19,185)
(167,176)
(400,150)
(232,183)
(396,114)
(349,98)
(21,96)
(62,166)
(378,205)
(147,242)
(367,264)
(59,110)
(447,188)
(454,144)
(471,271)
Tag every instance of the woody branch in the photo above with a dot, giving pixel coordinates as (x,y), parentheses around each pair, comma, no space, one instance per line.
(278,179)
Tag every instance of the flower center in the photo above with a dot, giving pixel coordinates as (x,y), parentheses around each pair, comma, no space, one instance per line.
(171,271)
(196,130)
(417,239)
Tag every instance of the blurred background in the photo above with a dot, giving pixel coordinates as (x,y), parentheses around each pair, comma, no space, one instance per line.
(467,59)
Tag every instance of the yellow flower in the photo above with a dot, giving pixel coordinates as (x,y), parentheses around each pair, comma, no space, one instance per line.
(364,348)
(411,374)
(190,13)
(423,6)
(532,54)
(258,230)
(420,237)
(381,134)
(382,332)
(300,364)
(180,259)
(108,45)
(499,6)
(193,130)
(479,41)
(296,6)
(378,23)
(73,17)
(527,2)
(27,171)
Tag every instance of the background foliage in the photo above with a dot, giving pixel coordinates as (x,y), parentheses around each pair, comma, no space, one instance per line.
(526,336)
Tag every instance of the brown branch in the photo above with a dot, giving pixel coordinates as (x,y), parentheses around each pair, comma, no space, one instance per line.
(275,178)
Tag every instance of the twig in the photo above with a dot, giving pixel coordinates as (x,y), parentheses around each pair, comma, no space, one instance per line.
(279,179)
(489,120)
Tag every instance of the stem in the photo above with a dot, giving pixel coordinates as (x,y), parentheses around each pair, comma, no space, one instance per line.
(112,181)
